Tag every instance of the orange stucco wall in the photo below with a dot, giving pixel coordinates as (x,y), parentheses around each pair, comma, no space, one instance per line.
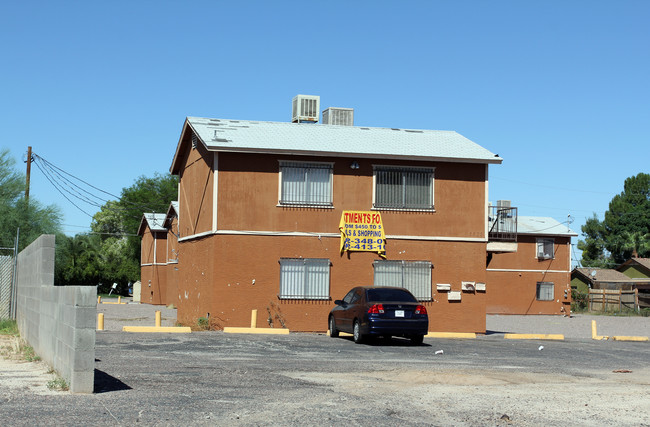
(228,286)
(195,192)
(172,263)
(154,284)
(512,279)
(228,275)
(248,198)
(153,267)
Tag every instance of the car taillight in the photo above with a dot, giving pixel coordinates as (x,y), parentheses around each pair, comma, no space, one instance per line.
(420,309)
(376,309)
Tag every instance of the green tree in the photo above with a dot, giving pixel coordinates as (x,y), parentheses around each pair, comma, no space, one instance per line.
(593,247)
(117,264)
(118,221)
(624,230)
(78,260)
(33,219)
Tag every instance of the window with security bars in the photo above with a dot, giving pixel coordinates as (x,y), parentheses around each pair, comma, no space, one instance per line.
(305,184)
(304,278)
(403,188)
(412,275)
(545,291)
(545,248)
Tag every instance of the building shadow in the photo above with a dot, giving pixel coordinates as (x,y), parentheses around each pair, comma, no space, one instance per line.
(489,332)
(105,383)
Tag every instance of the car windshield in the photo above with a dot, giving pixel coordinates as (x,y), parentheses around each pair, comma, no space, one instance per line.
(393,295)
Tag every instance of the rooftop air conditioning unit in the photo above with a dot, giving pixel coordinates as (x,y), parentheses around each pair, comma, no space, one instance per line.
(503,209)
(305,108)
(338,116)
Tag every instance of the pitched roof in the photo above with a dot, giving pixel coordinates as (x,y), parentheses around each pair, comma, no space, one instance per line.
(332,140)
(155,222)
(603,274)
(171,213)
(543,226)
(643,262)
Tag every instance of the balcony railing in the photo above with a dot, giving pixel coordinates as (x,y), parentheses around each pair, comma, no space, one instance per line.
(502,224)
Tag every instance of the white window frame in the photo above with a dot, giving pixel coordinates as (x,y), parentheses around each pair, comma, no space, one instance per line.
(405,172)
(542,248)
(545,291)
(412,275)
(306,189)
(304,278)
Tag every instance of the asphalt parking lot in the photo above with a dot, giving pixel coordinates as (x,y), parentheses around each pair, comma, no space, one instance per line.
(214,378)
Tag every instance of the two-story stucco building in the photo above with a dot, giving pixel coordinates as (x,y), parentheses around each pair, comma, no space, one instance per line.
(534,277)
(260,209)
(159,257)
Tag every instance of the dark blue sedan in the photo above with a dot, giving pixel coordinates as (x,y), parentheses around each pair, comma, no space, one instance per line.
(372,311)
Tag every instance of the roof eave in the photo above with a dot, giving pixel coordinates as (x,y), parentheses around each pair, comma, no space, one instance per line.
(496,160)
(143,224)
(174,169)
(533,233)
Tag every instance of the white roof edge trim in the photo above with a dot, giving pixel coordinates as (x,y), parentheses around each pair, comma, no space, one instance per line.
(546,233)
(180,139)
(497,160)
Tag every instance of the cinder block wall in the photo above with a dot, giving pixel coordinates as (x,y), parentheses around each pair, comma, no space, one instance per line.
(57,321)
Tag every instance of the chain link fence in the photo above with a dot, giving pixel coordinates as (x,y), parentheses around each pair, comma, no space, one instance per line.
(6,282)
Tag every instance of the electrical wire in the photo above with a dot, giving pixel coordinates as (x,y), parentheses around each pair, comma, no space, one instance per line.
(68,186)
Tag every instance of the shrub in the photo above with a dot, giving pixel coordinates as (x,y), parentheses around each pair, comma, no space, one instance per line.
(578,301)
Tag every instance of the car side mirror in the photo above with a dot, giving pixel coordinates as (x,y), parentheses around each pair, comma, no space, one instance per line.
(338,302)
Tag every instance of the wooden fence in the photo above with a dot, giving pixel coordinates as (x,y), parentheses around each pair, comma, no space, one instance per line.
(612,300)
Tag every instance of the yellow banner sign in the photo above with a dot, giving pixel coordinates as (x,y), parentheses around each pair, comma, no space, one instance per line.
(362,231)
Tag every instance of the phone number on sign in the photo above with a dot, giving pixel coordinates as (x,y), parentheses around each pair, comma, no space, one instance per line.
(364,244)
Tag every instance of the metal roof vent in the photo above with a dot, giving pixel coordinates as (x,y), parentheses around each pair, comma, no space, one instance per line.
(338,116)
(305,109)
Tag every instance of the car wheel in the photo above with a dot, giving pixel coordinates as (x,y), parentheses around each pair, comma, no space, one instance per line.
(333,331)
(356,332)
(417,339)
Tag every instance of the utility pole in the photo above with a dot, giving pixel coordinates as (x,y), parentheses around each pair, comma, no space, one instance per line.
(29,169)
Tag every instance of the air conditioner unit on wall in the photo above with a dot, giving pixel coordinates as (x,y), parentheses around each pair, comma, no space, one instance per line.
(305,108)
(453,296)
(468,286)
(443,287)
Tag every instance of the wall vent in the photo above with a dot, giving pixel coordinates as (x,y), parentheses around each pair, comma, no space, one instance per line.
(305,108)
(338,116)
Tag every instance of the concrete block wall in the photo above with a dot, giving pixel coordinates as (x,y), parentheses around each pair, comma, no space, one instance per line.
(57,321)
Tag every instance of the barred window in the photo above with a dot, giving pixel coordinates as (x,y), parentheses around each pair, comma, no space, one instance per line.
(412,275)
(545,249)
(305,183)
(545,291)
(403,188)
(304,278)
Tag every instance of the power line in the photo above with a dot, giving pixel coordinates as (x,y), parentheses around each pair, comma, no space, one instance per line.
(62,193)
(68,186)
(575,190)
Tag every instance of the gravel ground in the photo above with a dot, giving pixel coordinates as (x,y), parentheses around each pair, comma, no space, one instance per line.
(578,326)
(214,378)
(132,314)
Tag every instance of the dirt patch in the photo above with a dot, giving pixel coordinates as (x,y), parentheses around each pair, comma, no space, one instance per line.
(18,375)
(500,397)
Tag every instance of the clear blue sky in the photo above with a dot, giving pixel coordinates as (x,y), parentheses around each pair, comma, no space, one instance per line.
(559,89)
